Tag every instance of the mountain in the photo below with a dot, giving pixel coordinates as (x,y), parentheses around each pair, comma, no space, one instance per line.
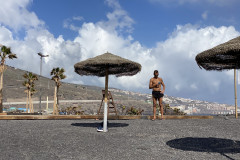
(13,91)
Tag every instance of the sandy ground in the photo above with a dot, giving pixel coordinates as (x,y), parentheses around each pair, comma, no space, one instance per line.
(142,139)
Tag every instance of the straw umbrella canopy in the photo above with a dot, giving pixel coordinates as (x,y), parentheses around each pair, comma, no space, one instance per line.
(222,57)
(103,66)
(225,56)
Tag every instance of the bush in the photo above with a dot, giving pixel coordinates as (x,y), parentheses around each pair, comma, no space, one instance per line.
(73,110)
(169,111)
(134,111)
(178,112)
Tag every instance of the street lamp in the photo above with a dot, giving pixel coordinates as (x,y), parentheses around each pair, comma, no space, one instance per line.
(40,97)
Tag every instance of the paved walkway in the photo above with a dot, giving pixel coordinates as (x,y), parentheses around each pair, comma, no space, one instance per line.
(141,139)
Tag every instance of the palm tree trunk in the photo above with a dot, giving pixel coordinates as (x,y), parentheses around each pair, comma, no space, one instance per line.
(1,87)
(30,102)
(57,95)
(32,105)
(57,113)
(29,108)
(27,102)
(55,101)
(56,109)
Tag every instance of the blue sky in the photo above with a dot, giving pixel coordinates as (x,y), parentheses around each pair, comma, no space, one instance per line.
(159,34)
(153,20)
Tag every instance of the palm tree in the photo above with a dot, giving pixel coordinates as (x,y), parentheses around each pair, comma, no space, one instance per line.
(29,83)
(4,54)
(57,75)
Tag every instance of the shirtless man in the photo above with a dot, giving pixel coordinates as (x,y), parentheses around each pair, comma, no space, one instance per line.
(157,94)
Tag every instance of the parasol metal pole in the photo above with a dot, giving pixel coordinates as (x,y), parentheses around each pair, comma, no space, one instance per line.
(105,103)
(235,93)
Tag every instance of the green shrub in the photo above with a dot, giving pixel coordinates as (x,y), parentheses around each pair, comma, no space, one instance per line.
(134,111)
(73,110)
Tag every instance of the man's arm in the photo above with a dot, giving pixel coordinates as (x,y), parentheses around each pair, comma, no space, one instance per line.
(163,87)
(151,84)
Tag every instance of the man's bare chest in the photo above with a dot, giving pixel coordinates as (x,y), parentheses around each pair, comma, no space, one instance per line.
(155,81)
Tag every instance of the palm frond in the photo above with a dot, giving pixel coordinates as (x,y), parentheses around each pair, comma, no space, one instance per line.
(58,74)
(29,83)
(6,53)
(11,56)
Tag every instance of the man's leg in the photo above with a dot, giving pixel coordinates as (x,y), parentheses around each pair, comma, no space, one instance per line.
(154,108)
(161,106)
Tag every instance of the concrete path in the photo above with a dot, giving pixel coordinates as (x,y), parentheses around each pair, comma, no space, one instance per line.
(140,139)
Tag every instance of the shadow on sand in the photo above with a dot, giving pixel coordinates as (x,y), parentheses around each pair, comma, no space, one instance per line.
(210,144)
(94,125)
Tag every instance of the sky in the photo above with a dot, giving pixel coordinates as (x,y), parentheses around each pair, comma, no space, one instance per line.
(159,34)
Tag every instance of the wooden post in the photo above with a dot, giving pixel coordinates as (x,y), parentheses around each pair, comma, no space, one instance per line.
(105,103)
(235,93)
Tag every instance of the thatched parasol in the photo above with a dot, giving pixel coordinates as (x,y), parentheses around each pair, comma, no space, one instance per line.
(222,57)
(105,65)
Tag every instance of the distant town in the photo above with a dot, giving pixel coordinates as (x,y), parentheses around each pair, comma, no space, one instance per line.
(188,106)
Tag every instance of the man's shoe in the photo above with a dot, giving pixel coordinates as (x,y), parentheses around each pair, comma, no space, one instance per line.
(100,129)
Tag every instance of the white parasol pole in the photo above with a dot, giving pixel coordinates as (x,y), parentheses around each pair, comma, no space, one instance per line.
(235,93)
(105,103)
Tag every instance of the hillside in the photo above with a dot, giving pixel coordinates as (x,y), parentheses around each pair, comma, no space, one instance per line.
(13,91)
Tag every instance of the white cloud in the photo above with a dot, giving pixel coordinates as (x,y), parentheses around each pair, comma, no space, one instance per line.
(5,35)
(118,19)
(174,57)
(69,23)
(205,15)
(78,18)
(177,61)
(194,86)
(61,53)
(15,15)
(180,2)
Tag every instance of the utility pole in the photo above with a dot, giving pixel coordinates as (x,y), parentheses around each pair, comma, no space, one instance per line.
(40,97)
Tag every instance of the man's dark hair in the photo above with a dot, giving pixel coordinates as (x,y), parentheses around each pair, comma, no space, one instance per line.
(155,71)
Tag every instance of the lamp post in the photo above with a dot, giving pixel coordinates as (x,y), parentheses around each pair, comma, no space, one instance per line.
(40,97)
